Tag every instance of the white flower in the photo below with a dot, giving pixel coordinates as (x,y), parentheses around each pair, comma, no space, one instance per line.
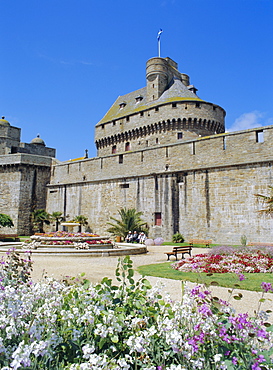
(217,357)
(88,350)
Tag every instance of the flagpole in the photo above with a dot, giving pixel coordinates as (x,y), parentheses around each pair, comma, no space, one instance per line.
(158,39)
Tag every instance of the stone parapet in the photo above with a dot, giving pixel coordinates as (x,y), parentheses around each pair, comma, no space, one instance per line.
(215,151)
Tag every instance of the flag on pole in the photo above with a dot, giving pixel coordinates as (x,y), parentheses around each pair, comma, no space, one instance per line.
(159,33)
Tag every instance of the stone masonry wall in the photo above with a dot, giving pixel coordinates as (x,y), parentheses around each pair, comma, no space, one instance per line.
(161,123)
(203,188)
(23,180)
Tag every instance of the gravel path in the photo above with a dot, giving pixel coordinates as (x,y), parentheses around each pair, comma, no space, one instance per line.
(95,268)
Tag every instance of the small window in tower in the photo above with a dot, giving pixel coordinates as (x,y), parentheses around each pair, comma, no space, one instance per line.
(114,123)
(156,140)
(224,143)
(259,136)
(174,105)
(180,135)
(141,114)
(114,149)
(197,104)
(127,147)
(102,126)
(158,219)
(124,186)
(120,158)
(127,119)
(156,109)
(153,97)
(193,148)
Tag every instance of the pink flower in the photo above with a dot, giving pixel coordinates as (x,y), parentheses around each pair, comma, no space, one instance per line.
(266,286)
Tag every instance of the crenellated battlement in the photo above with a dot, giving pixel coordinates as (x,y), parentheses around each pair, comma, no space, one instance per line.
(216,151)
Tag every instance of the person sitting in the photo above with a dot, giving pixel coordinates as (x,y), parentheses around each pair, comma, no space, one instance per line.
(135,237)
(129,237)
(141,238)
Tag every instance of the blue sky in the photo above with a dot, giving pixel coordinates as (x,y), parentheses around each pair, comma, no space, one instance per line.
(64,62)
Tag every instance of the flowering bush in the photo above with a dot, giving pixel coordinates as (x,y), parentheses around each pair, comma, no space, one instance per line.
(228,259)
(53,325)
(64,234)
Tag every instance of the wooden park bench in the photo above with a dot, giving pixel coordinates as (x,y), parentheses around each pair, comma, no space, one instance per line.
(260,244)
(184,249)
(9,236)
(200,241)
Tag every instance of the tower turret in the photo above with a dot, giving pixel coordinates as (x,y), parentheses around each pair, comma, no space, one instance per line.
(159,74)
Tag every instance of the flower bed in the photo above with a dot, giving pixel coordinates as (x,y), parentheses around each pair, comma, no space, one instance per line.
(236,261)
(54,325)
(66,239)
(65,234)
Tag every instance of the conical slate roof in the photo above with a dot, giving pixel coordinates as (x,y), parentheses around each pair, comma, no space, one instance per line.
(136,101)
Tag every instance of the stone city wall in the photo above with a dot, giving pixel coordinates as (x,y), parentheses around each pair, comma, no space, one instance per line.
(203,188)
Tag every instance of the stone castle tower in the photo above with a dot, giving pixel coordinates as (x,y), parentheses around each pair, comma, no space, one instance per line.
(24,173)
(167,110)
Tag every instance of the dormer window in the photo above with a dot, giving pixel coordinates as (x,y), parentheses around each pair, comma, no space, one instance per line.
(122,105)
(192,88)
(139,98)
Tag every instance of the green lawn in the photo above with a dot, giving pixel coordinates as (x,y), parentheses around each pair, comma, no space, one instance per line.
(23,238)
(164,270)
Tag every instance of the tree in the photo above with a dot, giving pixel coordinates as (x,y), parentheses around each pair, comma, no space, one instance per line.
(130,221)
(267,200)
(39,218)
(82,220)
(57,218)
(5,220)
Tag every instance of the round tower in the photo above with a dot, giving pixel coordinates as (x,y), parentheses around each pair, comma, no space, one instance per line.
(157,77)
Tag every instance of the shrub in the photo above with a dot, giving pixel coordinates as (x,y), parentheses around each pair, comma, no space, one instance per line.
(178,238)
(5,220)
(243,240)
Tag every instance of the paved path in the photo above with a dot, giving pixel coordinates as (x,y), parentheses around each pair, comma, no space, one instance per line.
(96,268)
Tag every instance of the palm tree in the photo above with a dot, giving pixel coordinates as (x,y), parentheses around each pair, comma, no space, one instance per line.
(5,220)
(267,200)
(57,217)
(82,220)
(130,221)
(39,218)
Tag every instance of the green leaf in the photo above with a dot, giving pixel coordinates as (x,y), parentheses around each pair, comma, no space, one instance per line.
(114,339)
